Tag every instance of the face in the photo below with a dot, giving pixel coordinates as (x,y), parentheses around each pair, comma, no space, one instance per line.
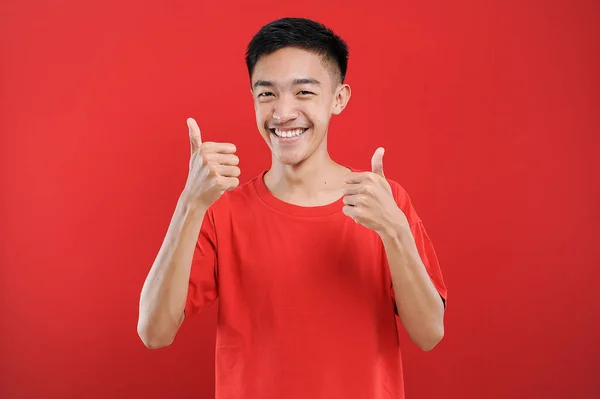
(295,94)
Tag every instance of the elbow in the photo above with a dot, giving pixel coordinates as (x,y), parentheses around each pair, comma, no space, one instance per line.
(152,339)
(429,341)
(155,343)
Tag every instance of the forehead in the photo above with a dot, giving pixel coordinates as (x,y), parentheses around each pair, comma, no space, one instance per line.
(287,64)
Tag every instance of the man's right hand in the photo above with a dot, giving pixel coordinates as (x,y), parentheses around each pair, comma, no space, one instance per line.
(213,169)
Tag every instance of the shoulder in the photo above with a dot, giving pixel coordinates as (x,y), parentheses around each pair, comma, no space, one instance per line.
(400,194)
(236,199)
(404,202)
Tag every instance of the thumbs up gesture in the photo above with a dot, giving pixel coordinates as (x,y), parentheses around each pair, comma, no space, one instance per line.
(368,198)
(213,169)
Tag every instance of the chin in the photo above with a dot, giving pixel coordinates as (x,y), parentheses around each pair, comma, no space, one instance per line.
(289,159)
(290,151)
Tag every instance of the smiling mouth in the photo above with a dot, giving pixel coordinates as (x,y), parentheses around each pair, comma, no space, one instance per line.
(288,133)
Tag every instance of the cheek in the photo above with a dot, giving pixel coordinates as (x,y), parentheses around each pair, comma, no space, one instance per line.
(261,113)
(319,114)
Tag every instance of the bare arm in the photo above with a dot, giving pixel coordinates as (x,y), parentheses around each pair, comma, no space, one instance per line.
(213,170)
(369,200)
(419,304)
(163,297)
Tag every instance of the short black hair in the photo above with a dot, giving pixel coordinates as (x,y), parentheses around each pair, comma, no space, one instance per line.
(301,33)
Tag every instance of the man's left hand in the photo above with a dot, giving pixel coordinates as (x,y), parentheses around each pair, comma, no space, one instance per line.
(368,199)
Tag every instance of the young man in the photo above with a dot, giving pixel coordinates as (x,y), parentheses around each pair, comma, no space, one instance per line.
(316,265)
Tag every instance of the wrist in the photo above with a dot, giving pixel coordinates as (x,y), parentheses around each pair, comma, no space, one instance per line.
(395,228)
(190,204)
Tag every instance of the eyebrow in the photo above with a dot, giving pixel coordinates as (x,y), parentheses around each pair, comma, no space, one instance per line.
(299,81)
(306,81)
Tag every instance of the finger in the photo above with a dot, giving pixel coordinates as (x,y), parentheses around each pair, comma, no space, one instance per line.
(351,200)
(223,148)
(229,183)
(357,177)
(221,159)
(377,161)
(356,188)
(349,211)
(194,132)
(228,171)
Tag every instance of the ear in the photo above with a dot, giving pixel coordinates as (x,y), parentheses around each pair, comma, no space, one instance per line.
(253,99)
(342,96)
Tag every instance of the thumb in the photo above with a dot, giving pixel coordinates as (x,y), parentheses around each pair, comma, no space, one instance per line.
(195,138)
(377,161)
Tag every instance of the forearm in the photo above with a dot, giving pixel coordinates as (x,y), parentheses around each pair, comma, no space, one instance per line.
(419,304)
(163,296)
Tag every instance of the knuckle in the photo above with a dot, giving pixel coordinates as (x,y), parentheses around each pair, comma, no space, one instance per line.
(212,169)
(362,200)
(203,149)
(220,181)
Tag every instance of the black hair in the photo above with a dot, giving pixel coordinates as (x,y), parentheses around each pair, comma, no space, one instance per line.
(300,33)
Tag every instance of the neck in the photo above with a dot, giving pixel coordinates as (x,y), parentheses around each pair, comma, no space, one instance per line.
(309,181)
(308,175)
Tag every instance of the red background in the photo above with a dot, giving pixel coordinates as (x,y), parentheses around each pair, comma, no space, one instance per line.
(489,114)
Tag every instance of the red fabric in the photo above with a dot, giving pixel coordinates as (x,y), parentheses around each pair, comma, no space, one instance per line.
(304,298)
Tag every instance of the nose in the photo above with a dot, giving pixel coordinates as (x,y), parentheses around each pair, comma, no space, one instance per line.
(284,110)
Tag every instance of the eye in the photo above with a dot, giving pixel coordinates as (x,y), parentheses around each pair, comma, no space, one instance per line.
(265,94)
(305,93)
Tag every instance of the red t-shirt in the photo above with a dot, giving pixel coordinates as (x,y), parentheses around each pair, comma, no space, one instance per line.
(306,306)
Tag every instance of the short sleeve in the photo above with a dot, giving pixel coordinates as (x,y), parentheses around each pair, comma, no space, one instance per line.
(202,287)
(429,258)
(422,240)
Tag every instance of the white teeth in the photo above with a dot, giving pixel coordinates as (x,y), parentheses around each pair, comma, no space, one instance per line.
(289,133)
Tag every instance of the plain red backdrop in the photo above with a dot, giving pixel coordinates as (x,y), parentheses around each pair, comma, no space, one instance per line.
(489,114)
